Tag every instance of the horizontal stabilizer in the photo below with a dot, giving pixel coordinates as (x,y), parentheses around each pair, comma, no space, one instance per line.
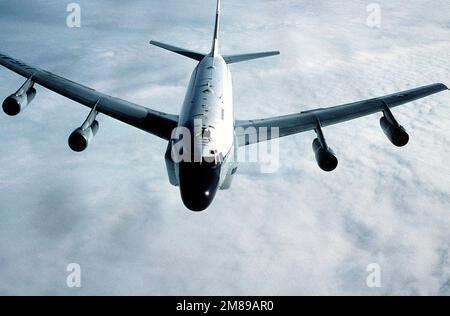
(180,51)
(231,59)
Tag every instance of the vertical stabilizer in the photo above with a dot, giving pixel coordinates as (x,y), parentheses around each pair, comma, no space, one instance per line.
(215,44)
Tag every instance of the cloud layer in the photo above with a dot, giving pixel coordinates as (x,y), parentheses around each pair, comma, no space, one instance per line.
(298,231)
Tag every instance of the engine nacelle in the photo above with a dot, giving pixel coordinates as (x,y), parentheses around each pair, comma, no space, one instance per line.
(325,157)
(16,103)
(394,132)
(79,140)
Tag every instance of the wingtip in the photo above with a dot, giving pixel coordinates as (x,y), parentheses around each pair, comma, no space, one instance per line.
(276,53)
(444,85)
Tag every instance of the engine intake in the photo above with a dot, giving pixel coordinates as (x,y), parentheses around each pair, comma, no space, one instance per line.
(396,134)
(18,102)
(80,139)
(392,129)
(325,157)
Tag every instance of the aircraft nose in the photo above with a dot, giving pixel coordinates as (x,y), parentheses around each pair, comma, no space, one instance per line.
(197,201)
(198,185)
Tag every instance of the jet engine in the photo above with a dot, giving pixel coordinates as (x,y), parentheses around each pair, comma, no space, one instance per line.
(325,156)
(392,129)
(80,138)
(17,102)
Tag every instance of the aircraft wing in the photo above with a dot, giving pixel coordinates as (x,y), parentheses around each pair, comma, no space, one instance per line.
(154,122)
(251,131)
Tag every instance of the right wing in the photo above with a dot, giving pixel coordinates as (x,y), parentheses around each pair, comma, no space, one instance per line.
(254,131)
(154,122)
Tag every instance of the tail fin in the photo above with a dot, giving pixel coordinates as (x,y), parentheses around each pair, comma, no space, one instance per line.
(230,59)
(180,51)
(191,54)
(215,44)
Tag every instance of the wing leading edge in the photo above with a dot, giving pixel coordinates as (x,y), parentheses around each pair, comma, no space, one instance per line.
(154,122)
(248,132)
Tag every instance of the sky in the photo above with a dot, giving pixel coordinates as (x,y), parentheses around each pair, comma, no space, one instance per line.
(298,231)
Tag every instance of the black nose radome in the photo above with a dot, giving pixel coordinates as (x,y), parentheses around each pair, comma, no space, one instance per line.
(198,185)
(197,201)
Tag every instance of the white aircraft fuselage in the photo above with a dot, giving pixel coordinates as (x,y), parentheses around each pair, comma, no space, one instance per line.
(208,115)
(209,150)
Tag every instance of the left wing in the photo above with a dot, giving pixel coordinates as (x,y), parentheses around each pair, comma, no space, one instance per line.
(254,131)
(154,122)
